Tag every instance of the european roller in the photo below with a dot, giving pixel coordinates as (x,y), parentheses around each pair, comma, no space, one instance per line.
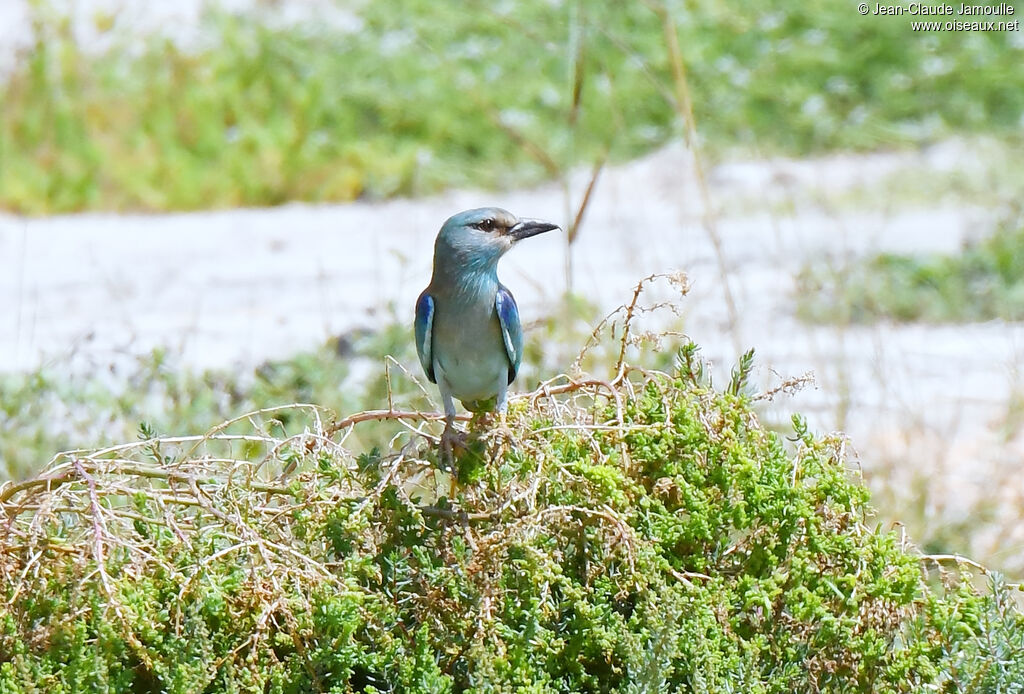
(468,334)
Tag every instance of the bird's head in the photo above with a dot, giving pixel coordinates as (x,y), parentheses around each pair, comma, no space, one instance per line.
(479,237)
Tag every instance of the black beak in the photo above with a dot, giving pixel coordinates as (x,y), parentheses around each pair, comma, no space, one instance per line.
(525,228)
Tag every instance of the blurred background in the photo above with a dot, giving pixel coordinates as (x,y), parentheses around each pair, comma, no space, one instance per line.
(207,208)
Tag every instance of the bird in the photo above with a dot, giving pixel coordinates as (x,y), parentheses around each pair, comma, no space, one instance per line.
(468,334)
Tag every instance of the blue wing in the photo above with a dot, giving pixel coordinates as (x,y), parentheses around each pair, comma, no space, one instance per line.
(425,333)
(511,329)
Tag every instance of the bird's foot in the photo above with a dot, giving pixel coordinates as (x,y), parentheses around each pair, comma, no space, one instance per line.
(452,441)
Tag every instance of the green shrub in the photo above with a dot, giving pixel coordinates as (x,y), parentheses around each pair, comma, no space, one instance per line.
(642,535)
(983,282)
(426,95)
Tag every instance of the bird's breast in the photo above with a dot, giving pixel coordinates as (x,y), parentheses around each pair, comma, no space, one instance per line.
(469,348)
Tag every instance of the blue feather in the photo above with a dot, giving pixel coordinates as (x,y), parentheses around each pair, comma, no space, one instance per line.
(511,329)
(425,333)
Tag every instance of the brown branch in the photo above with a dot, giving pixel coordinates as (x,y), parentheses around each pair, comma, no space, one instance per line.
(461,516)
(939,559)
(9,489)
(383,415)
(627,322)
(84,466)
(574,228)
(789,386)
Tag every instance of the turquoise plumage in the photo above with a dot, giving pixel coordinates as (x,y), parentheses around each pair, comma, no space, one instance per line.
(468,333)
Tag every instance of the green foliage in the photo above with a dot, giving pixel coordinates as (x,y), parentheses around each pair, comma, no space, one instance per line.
(983,649)
(985,281)
(425,95)
(646,536)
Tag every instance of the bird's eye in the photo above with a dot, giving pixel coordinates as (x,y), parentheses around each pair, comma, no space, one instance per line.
(486,225)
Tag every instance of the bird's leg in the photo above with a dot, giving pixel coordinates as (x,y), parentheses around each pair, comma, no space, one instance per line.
(451,437)
(502,430)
